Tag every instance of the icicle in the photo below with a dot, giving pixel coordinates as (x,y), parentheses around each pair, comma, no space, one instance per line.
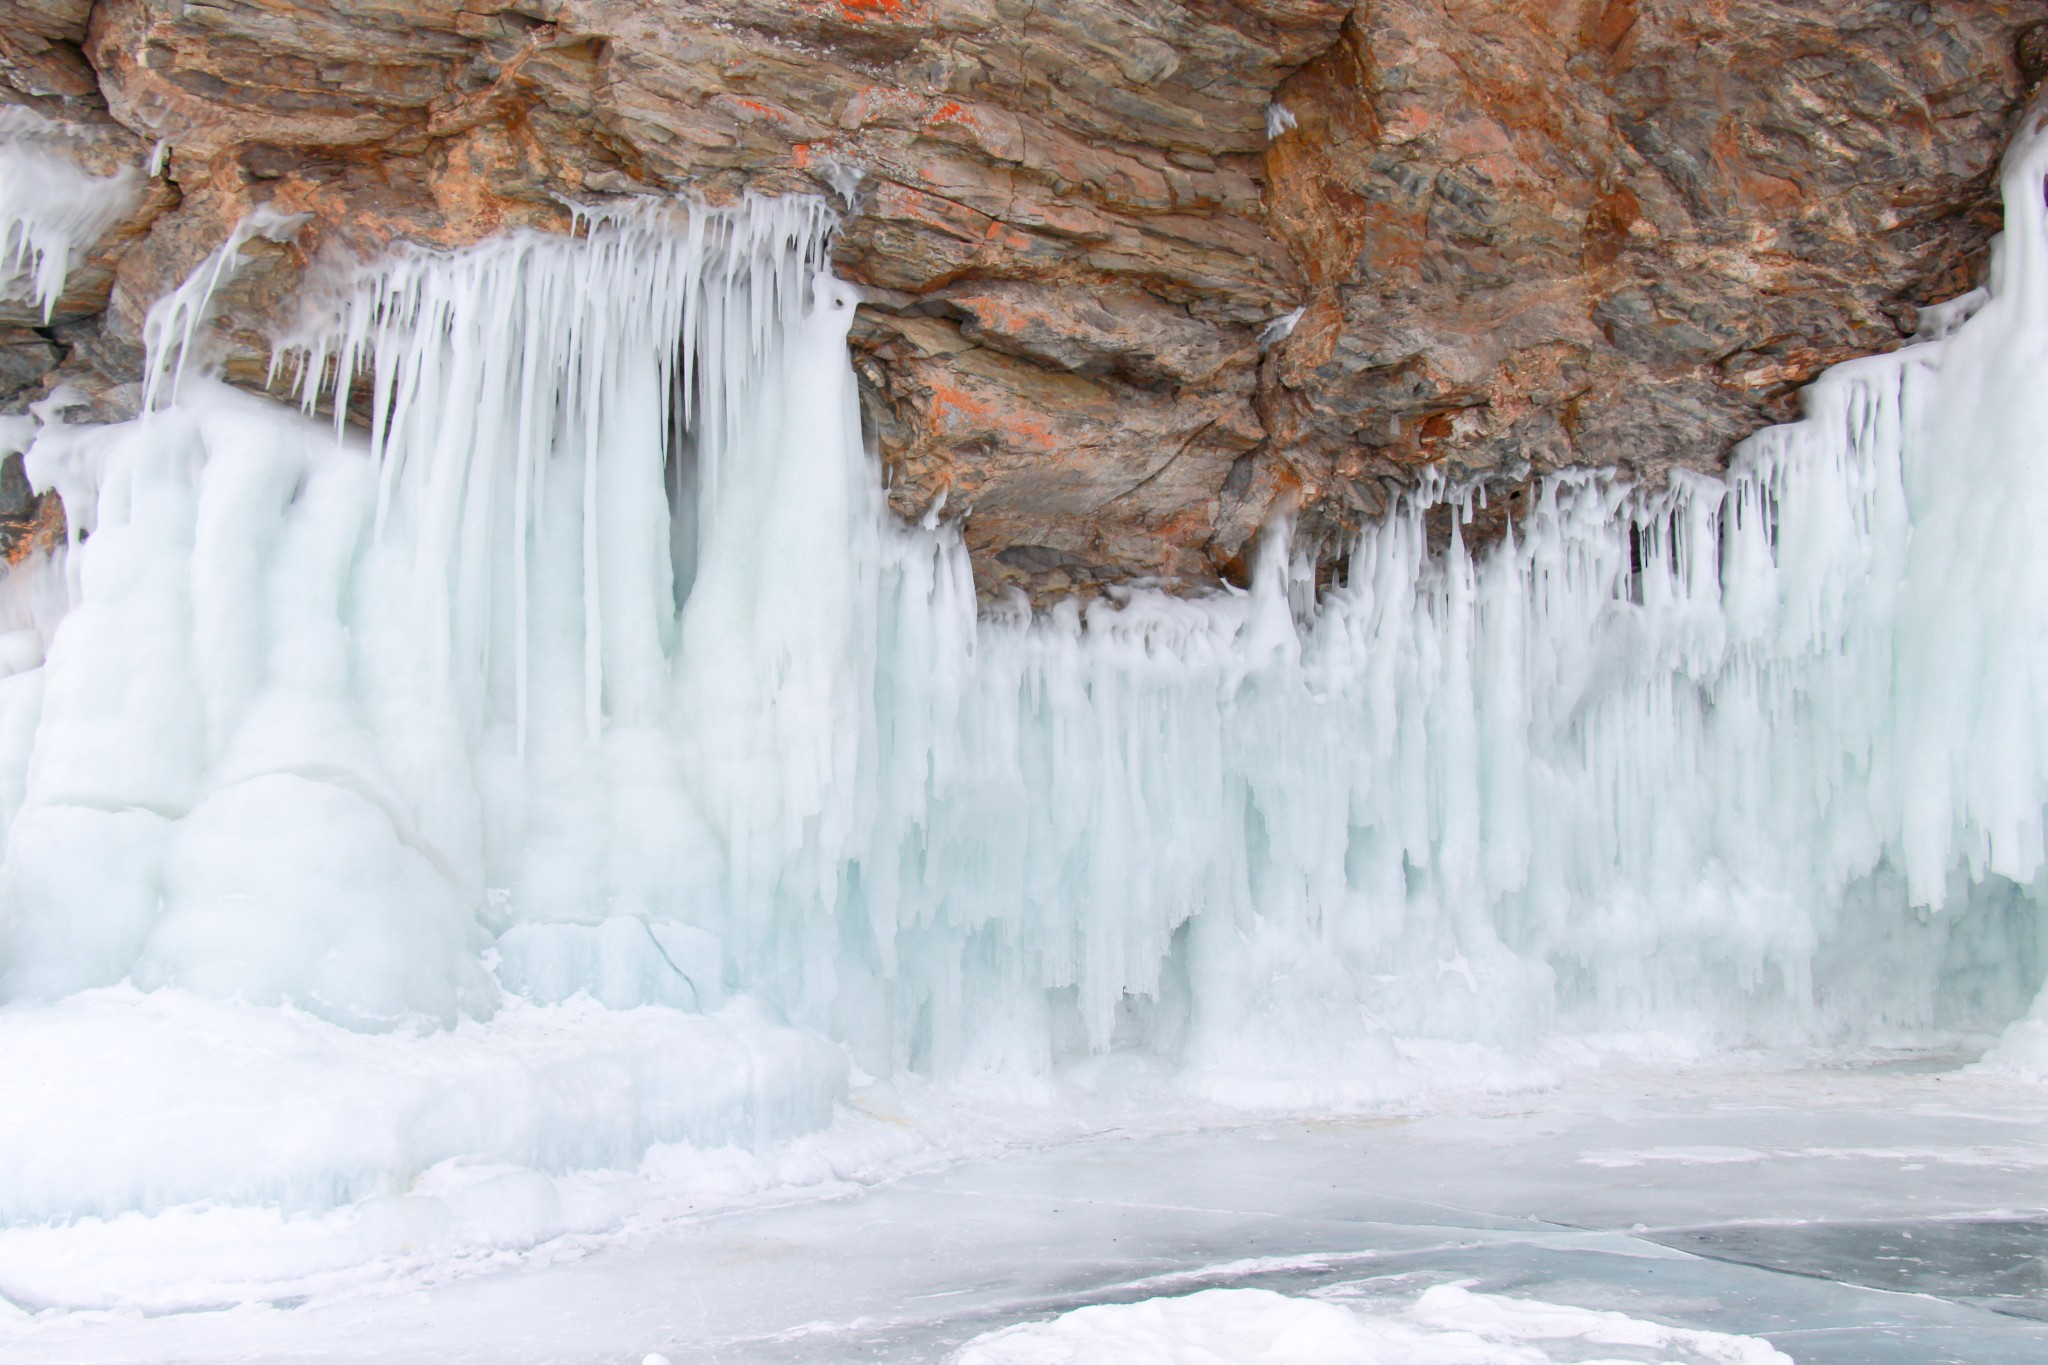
(172,330)
(50,210)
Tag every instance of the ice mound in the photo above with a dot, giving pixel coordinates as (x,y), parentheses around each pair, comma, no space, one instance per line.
(2022,1051)
(1447,1325)
(121,1099)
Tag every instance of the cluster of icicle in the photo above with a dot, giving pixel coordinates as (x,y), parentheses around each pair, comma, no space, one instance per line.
(51,211)
(598,667)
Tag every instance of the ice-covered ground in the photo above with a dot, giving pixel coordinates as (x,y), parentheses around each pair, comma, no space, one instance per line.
(1888,1211)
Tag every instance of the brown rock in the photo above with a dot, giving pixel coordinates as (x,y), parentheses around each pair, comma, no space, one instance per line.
(1085,476)
(1522,235)
(25,357)
(39,50)
(1619,233)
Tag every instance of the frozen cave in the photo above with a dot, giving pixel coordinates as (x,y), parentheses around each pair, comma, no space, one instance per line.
(524,790)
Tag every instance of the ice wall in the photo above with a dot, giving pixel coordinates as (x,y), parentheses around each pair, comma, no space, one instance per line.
(591,664)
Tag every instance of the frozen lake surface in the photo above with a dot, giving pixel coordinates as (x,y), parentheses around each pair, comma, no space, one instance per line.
(1894,1211)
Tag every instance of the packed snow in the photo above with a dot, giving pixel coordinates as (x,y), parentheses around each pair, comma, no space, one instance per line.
(1447,1325)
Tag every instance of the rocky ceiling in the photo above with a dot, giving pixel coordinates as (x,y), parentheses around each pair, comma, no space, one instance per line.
(1509,235)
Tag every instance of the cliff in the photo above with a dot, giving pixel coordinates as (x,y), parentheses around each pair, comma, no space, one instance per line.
(1138,273)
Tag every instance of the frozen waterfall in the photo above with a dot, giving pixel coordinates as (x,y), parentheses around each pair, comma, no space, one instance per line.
(584,689)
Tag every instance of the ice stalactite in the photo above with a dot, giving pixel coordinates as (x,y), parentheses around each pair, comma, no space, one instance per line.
(50,210)
(589,663)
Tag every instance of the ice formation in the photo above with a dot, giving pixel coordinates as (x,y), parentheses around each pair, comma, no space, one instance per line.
(595,667)
(50,210)
(1447,1325)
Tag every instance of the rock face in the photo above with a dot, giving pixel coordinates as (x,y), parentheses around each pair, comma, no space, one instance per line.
(1519,235)
(1623,233)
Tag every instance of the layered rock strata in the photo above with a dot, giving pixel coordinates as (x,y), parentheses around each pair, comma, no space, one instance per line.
(1139,273)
